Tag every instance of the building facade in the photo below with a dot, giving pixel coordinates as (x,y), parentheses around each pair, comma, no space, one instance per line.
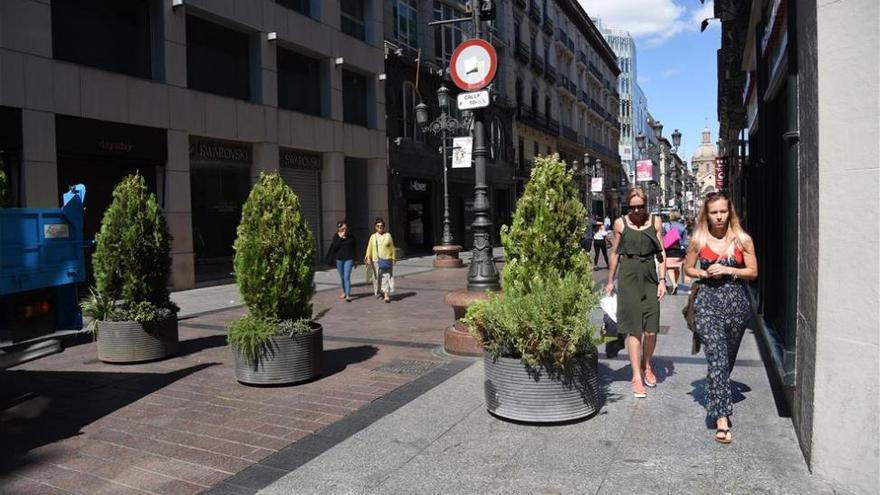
(416,65)
(703,161)
(795,95)
(564,89)
(199,98)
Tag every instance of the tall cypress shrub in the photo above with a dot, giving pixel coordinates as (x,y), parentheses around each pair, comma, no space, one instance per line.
(132,260)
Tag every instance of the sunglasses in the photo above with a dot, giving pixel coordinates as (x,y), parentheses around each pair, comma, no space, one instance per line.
(637,207)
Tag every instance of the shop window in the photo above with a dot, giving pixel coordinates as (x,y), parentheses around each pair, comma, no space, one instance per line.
(406,18)
(354,98)
(301,6)
(107,34)
(299,83)
(352,18)
(217,59)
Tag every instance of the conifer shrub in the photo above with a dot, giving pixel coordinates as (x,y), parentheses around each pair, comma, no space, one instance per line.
(4,190)
(542,316)
(132,259)
(274,251)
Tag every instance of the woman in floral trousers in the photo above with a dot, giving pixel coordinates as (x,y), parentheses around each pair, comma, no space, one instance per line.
(722,256)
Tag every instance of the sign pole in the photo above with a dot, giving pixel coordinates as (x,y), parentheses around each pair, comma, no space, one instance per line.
(482,273)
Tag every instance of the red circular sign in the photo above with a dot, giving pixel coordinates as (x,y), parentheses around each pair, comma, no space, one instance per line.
(473,64)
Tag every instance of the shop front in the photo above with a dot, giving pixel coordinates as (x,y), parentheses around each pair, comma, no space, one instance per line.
(301,171)
(219,184)
(419,227)
(10,153)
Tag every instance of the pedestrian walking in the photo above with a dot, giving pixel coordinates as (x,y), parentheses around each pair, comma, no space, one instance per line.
(341,254)
(587,238)
(599,244)
(637,250)
(380,261)
(675,232)
(721,255)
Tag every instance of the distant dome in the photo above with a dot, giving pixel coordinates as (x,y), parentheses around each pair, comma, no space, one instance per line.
(706,151)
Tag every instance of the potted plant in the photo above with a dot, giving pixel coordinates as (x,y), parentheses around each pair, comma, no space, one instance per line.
(133,318)
(541,359)
(275,342)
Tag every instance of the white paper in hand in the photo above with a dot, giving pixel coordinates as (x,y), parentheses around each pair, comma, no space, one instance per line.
(609,306)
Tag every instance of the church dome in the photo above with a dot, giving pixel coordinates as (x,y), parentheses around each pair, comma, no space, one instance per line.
(706,151)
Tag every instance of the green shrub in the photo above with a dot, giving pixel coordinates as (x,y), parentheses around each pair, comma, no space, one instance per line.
(542,316)
(132,259)
(273,266)
(4,193)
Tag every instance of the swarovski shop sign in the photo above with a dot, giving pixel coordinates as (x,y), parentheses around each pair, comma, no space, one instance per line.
(210,150)
(302,160)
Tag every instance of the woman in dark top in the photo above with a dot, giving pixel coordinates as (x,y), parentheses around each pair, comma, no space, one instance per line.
(342,253)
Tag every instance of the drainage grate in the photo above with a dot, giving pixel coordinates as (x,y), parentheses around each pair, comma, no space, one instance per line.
(407,367)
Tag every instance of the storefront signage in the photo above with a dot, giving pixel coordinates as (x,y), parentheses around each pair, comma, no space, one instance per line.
(418,186)
(644,171)
(461,152)
(299,159)
(56,231)
(115,146)
(720,173)
(77,136)
(596,184)
(204,150)
(625,152)
(471,101)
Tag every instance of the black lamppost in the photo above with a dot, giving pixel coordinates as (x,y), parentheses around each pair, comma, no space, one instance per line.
(443,125)
(658,149)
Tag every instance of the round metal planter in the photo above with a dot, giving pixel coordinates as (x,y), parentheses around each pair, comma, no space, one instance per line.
(285,360)
(133,342)
(516,392)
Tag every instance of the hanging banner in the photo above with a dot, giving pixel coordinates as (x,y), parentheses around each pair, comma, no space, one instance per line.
(644,171)
(461,152)
(720,173)
(596,185)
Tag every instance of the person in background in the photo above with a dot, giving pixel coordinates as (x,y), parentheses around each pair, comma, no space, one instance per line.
(380,259)
(341,253)
(599,244)
(637,244)
(675,253)
(722,255)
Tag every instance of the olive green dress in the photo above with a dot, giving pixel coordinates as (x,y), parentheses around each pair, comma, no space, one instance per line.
(637,307)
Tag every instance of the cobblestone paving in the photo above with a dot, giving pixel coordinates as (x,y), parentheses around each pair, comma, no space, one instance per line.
(71,424)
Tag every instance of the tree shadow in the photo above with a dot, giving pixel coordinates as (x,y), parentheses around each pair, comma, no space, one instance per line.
(192,346)
(698,393)
(38,408)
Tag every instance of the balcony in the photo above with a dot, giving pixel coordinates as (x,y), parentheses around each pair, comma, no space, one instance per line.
(595,72)
(553,126)
(583,98)
(569,133)
(535,13)
(522,51)
(582,58)
(572,88)
(563,81)
(538,63)
(550,74)
(547,26)
(522,4)
(564,40)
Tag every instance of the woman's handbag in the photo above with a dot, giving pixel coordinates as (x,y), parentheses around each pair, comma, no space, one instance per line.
(688,313)
(382,263)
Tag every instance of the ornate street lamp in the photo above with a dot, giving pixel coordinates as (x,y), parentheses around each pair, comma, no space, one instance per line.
(447,251)
(676,139)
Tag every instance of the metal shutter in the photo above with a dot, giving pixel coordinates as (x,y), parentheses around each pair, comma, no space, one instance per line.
(306,185)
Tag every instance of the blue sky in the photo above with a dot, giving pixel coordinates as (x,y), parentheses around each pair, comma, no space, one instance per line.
(676,63)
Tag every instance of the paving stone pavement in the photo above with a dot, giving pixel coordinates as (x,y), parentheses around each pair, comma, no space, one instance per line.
(445,442)
(71,424)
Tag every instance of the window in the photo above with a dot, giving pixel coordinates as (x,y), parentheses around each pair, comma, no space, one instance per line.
(535,150)
(496,136)
(299,82)
(448,36)
(405,21)
(548,108)
(354,98)
(407,127)
(217,59)
(301,6)
(519,92)
(107,34)
(351,18)
(535,99)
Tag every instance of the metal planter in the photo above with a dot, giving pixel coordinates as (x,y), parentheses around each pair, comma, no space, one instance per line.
(134,342)
(285,360)
(516,392)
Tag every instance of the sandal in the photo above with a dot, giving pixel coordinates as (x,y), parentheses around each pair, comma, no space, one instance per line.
(650,379)
(725,437)
(638,389)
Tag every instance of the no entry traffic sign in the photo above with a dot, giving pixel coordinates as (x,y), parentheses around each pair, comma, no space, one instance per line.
(473,64)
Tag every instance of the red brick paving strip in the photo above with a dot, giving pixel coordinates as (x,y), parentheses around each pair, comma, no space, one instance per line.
(184,424)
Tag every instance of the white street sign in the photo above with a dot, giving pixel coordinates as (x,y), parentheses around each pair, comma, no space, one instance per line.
(461,152)
(471,101)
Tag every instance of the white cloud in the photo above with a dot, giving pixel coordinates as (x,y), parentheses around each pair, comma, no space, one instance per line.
(653,21)
(643,80)
(670,72)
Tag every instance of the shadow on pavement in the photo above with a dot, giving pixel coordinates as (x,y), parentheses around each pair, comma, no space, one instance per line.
(401,296)
(43,407)
(192,346)
(663,368)
(606,377)
(698,393)
(336,360)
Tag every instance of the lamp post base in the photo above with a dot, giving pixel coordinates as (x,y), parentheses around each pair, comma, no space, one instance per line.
(457,339)
(447,257)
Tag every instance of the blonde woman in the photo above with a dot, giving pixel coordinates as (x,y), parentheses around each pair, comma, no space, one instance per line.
(637,243)
(721,255)
(380,257)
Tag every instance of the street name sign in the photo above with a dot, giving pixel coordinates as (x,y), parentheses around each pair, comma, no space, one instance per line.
(472,101)
(473,65)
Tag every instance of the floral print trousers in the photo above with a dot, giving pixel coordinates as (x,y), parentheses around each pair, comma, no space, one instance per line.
(721,312)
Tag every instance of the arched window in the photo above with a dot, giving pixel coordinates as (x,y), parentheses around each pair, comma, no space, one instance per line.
(496,139)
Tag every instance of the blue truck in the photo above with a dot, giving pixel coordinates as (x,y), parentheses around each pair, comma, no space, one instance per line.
(42,264)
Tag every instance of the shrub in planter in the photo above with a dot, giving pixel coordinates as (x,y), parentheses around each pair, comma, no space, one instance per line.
(539,342)
(275,342)
(133,317)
